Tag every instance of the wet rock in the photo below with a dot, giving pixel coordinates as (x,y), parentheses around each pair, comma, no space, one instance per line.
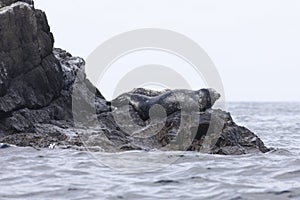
(4,146)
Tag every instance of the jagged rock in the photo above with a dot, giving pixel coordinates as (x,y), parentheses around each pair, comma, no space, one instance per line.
(35,80)
(36,96)
(30,75)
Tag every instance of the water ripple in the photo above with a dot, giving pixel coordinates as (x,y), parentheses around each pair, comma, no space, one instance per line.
(67,174)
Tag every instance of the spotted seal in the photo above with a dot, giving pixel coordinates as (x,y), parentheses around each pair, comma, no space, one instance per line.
(172,101)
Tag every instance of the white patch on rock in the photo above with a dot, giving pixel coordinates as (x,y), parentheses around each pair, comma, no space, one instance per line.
(72,67)
(11,7)
(52,146)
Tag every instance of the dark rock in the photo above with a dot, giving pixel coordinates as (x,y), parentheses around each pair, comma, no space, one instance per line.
(35,80)
(37,94)
(30,76)
(4,146)
(4,3)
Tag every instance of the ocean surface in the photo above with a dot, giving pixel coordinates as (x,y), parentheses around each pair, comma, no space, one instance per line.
(26,173)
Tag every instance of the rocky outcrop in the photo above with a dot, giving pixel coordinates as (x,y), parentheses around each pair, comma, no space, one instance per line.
(30,77)
(36,96)
(209,131)
(35,80)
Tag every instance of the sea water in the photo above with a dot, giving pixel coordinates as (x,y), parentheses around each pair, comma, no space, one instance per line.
(27,173)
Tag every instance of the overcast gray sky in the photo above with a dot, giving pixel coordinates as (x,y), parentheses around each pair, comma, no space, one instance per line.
(255,44)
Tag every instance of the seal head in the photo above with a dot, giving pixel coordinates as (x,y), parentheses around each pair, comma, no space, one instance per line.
(207,98)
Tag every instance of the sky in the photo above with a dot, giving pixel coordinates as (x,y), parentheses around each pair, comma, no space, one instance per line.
(254,44)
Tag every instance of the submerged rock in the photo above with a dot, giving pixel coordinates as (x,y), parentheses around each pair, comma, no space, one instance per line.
(36,96)
(5,146)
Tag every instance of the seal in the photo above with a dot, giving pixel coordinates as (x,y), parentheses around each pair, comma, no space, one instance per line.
(171,101)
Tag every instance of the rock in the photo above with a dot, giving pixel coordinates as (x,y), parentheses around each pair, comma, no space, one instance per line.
(5,146)
(37,85)
(209,131)
(36,80)
(4,3)
(30,76)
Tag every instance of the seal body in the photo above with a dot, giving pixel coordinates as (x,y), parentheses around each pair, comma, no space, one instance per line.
(171,101)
